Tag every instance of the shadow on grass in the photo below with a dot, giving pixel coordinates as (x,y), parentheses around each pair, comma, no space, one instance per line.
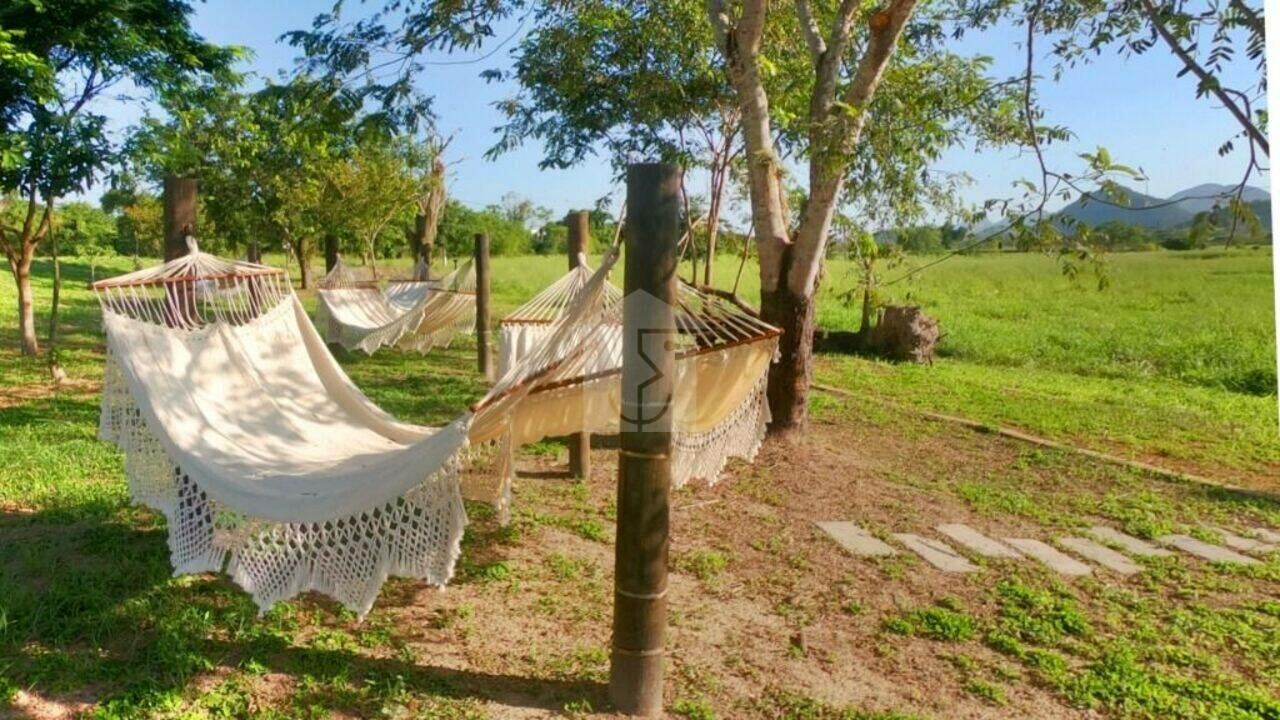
(435,682)
(1264,501)
(60,415)
(88,608)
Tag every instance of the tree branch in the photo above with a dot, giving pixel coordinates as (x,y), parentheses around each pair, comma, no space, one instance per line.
(828,63)
(1207,80)
(809,28)
(886,28)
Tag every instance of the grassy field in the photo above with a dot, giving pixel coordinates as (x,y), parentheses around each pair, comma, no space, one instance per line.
(769,619)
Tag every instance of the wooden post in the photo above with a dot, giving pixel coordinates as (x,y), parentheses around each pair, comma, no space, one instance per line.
(179,215)
(330,252)
(579,222)
(485,364)
(644,462)
(179,222)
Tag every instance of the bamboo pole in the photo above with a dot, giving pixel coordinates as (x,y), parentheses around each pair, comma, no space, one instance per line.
(579,222)
(644,464)
(484,362)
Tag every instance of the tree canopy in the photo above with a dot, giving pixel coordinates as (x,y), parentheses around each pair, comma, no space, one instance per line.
(56,60)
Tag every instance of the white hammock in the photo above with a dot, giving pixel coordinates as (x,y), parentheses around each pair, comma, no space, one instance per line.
(410,314)
(268,463)
(529,325)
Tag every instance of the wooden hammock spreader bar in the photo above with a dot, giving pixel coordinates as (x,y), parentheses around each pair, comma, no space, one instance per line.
(537,321)
(509,391)
(109,283)
(569,382)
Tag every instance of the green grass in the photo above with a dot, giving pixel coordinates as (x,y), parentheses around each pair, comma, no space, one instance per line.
(946,624)
(1198,318)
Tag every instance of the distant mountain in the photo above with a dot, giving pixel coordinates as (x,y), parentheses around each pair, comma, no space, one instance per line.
(1160,213)
(1203,197)
(1095,212)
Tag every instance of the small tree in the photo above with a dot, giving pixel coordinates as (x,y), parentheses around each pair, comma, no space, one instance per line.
(141,226)
(56,60)
(369,189)
(87,232)
(641,80)
(262,157)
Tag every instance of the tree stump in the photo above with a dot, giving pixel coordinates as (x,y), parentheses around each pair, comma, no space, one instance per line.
(905,333)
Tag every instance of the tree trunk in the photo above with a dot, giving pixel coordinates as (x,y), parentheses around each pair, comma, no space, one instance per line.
(56,373)
(426,225)
(866,310)
(789,378)
(416,237)
(26,303)
(791,261)
(371,260)
(330,252)
(304,267)
(719,173)
(713,232)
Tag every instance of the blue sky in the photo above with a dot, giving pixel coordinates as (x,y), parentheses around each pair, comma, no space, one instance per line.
(1135,107)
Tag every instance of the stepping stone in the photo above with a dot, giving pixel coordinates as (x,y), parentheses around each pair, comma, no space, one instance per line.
(977,542)
(1130,543)
(1060,562)
(936,553)
(1243,544)
(856,540)
(1101,554)
(1206,551)
(1267,536)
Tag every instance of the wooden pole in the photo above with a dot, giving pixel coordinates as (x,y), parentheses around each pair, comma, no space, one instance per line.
(579,222)
(179,221)
(644,463)
(179,214)
(485,365)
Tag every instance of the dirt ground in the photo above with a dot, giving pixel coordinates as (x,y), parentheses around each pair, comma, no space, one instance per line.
(766,611)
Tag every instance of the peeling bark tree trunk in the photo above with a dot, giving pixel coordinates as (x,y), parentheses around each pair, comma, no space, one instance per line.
(789,378)
(791,259)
